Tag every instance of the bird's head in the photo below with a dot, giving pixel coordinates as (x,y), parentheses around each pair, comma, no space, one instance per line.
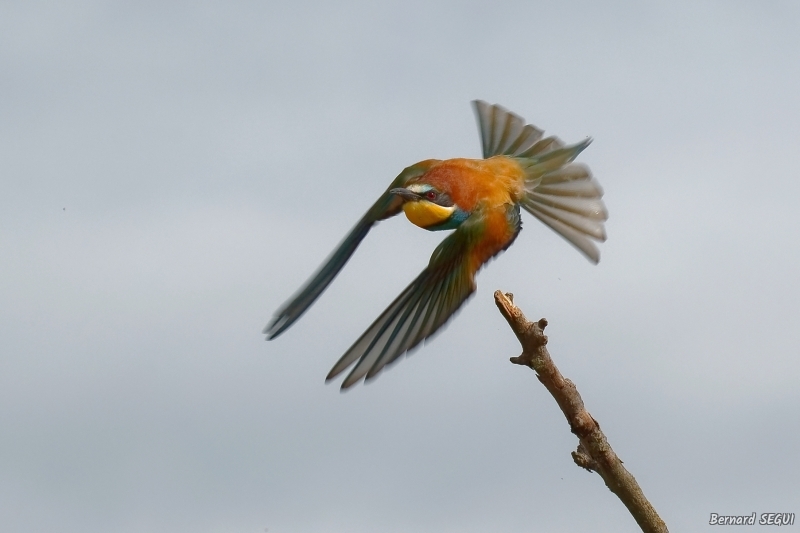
(430,208)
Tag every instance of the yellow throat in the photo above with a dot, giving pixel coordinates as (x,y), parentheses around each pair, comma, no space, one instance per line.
(425,214)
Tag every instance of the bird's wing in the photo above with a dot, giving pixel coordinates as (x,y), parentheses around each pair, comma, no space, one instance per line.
(431,299)
(386,206)
(504,133)
(560,193)
(564,196)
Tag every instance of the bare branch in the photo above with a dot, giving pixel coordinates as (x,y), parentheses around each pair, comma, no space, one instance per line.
(593,453)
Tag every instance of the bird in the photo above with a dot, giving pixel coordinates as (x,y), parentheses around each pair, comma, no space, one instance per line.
(480,201)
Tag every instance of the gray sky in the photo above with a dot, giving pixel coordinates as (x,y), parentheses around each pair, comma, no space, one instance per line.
(172,173)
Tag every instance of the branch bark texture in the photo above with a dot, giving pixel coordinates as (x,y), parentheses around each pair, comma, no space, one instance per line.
(593,453)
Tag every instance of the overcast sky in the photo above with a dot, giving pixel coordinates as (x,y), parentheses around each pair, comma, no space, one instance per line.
(170,173)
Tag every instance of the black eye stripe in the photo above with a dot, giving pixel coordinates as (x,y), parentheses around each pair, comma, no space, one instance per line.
(436,197)
(444,200)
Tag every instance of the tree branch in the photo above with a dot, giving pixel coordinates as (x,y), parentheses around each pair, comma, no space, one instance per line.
(593,453)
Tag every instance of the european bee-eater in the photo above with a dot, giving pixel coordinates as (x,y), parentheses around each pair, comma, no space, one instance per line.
(478,198)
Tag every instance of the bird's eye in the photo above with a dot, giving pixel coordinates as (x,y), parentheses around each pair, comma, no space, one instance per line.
(430,195)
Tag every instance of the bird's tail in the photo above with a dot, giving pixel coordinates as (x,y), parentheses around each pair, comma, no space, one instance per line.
(564,195)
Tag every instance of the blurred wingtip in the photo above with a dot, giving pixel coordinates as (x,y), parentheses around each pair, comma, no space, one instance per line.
(581,146)
(350,380)
(331,376)
(276,327)
(589,250)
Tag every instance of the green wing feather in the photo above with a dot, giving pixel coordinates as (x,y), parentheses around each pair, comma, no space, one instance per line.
(385,207)
(428,302)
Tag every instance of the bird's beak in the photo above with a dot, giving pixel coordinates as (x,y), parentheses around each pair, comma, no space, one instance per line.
(405,194)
